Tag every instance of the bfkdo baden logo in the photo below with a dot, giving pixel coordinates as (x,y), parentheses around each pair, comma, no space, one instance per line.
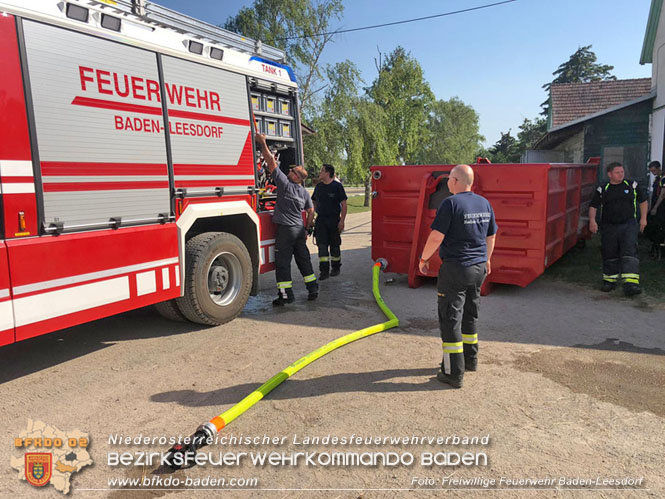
(38,468)
(50,456)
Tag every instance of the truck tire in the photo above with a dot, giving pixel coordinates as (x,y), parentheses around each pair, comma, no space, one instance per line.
(169,310)
(218,278)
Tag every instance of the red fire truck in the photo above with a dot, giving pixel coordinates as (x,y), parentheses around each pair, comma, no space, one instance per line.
(128,173)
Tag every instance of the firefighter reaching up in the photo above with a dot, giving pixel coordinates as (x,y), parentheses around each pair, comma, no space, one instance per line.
(291,239)
(623,205)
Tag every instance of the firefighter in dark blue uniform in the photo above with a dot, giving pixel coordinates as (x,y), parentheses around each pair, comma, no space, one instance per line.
(624,214)
(330,204)
(464,231)
(655,230)
(657,193)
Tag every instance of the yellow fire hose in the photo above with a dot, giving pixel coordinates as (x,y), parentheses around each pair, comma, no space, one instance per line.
(182,456)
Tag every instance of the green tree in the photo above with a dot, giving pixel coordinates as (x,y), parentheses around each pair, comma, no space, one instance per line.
(396,121)
(296,26)
(352,131)
(481,152)
(369,143)
(510,149)
(505,150)
(581,67)
(332,118)
(452,133)
(530,132)
(403,93)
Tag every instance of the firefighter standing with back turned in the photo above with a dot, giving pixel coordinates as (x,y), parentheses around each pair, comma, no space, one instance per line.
(464,230)
(619,199)
(291,238)
(330,204)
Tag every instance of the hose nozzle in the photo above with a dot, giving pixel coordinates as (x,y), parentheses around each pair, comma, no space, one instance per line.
(182,456)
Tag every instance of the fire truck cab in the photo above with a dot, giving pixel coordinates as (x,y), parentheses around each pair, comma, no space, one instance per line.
(128,172)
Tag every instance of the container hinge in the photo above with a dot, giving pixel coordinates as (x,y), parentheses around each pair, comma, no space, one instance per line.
(219,191)
(163,218)
(181,193)
(115,222)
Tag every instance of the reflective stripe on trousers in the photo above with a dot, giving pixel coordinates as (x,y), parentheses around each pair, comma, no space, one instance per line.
(633,278)
(470,339)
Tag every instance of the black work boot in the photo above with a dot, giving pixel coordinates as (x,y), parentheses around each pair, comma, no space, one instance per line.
(608,286)
(284,296)
(313,291)
(334,271)
(631,289)
(471,364)
(454,381)
(324,269)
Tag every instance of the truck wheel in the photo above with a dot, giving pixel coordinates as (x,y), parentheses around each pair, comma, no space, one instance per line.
(218,278)
(169,310)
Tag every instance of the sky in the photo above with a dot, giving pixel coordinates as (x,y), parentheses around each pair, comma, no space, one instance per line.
(495,60)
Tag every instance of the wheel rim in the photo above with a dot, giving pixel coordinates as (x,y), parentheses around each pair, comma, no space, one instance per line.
(224,278)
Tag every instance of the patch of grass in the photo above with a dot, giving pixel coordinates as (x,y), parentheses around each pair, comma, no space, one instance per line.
(584,266)
(354,204)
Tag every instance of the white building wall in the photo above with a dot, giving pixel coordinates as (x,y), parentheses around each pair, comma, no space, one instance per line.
(658,131)
(658,82)
(573,148)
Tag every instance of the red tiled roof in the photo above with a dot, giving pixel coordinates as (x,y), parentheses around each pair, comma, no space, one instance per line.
(575,100)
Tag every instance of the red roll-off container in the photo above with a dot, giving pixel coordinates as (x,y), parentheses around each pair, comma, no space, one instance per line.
(541,209)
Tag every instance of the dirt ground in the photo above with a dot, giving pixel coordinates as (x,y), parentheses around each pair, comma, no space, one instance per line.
(570,384)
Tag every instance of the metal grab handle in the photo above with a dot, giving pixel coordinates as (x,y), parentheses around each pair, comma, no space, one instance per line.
(52,227)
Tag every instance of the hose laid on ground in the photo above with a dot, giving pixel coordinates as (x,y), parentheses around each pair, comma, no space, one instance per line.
(182,456)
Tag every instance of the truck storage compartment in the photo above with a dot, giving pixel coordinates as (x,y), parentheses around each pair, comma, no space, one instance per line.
(273,108)
(256,102)
(541,210)
(102,158)
(285,107)
(285,129)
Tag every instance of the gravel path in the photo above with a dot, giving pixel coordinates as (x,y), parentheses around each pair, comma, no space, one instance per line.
(570,384)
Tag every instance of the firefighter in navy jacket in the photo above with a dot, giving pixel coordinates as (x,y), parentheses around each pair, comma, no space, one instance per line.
(623,205)
(330,204)
(464,231)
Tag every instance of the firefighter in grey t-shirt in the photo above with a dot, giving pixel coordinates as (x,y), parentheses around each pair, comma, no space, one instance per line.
(291,239)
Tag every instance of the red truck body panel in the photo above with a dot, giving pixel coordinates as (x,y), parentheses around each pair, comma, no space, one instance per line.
(6,309)
(114,152)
